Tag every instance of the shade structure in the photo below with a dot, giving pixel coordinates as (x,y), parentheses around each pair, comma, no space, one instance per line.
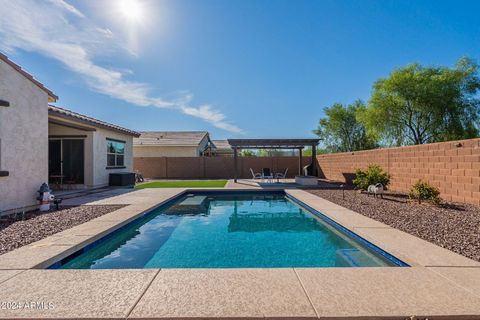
(238,144)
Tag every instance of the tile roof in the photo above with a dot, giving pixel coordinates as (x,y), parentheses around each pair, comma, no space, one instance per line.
(71,115)
(170,138)
(29,77)
(222,145)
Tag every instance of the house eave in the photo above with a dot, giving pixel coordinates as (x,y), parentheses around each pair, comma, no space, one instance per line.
(52,114)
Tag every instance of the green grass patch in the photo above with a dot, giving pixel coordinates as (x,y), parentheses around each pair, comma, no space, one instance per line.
(184,184)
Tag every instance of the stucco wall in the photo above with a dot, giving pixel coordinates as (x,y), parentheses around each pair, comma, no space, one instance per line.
(96,172)
(100,173)
(203,145)
(161,151)
(24,136)
(59,130)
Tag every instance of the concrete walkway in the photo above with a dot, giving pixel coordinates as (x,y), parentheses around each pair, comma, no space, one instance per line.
(282,184)
(440,283)
(259,184)
(93,196)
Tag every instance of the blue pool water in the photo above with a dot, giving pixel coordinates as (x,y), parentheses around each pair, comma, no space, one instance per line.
(224,230)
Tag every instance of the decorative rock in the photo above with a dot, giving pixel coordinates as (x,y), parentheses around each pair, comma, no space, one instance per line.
(15,234)
(454,226)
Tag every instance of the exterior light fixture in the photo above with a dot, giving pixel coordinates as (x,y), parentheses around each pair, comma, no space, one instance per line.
(4,103)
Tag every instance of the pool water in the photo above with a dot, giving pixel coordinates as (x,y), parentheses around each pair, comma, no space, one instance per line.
(224,230)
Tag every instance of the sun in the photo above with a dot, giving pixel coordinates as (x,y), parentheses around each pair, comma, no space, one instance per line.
(130,9)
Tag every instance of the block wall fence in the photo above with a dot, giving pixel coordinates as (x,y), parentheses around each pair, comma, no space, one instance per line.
(454,167)
(213,167)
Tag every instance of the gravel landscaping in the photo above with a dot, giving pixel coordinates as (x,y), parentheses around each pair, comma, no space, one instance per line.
(453,226)
(36,225)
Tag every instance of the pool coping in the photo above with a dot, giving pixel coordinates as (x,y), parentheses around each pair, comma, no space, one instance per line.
(433,273)
(316,214)
(350,234)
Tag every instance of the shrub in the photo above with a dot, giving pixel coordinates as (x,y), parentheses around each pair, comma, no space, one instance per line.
(423,191)
(373,175)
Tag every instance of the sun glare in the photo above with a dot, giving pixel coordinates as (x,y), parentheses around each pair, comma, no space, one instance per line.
(130,9)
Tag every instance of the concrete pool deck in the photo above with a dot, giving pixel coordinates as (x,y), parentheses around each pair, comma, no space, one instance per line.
(439,283)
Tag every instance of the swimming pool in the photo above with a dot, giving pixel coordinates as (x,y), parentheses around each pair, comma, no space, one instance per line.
(230,230)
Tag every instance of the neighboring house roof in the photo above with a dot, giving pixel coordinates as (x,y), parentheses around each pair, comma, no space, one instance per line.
(52,97)
(77,117)
(222,145)
(170,138)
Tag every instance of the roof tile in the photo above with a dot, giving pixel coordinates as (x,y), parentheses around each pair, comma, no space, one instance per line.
(65,113)
(28,76)
(170,138)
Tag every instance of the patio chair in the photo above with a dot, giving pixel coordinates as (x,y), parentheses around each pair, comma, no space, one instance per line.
(267,174)
(139,177)
(255,175)
(280,175)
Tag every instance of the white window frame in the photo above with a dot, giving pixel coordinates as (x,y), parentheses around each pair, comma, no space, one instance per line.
(116,154)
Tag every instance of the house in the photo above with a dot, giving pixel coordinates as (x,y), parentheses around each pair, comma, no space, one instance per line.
(23,135)
(83,151)
(40,143)
(221,148)
(155,144)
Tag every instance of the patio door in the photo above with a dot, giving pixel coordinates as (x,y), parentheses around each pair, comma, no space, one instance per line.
(66,161)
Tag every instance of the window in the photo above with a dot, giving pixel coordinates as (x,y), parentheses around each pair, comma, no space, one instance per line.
(115,153)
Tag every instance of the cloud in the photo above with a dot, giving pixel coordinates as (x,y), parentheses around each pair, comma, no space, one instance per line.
(210,115)
(64,5)
(46,28)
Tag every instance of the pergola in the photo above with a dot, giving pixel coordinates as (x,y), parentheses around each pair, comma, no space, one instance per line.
(238,144)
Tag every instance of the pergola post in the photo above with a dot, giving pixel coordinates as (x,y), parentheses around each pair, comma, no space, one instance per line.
(314,159)
(300,161)
(235,161)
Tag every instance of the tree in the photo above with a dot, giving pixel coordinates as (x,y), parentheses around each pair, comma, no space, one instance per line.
(307,151)
(247,153)
(275,152)
(417,104)
(341,131)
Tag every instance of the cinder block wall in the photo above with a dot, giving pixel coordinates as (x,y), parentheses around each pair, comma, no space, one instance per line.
(454,167)
(212,167)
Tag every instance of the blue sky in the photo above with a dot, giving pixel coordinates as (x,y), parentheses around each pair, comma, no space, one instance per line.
(237,68)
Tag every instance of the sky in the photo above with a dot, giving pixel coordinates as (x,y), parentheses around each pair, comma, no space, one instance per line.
(235,68)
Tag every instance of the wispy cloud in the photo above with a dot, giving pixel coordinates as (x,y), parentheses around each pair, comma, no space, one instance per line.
(64,5)
(58,30)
